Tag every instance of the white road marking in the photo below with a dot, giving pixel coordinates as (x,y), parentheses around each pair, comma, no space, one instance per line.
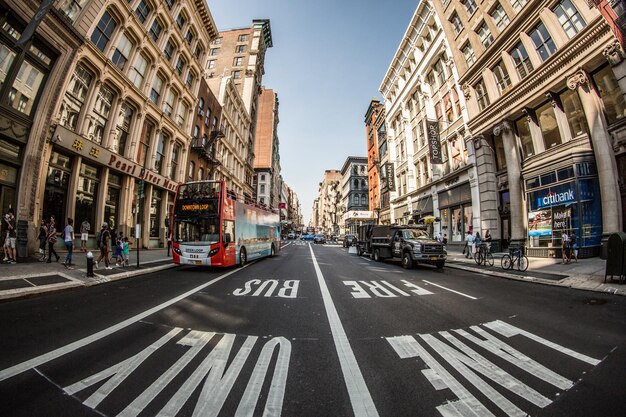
(362,402)
(390,285)
(54,354)
(197,340)
(508,330)
(417,289)
(448,289)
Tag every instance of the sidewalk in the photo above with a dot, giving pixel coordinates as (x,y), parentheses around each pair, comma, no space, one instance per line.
(35,277)
(586,274)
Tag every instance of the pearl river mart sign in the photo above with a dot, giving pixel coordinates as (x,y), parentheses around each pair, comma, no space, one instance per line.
(77,144)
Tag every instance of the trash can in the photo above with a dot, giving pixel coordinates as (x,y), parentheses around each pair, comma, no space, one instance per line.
(616,252)
(21,242)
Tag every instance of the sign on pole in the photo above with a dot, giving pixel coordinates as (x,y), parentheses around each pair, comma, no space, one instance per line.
(434,146)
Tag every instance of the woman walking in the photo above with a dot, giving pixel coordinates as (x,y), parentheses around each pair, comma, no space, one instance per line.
(43,237)
(52,239)
(68,237)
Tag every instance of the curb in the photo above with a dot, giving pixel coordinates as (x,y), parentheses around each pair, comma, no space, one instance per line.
(515,277)
(101,279)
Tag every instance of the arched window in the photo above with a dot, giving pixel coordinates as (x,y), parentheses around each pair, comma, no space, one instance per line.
(192,170)
(356,184)
(200,174)
(201,106)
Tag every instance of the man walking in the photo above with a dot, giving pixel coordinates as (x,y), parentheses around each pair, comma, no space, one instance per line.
(12,236)
(104,241)
(68,238)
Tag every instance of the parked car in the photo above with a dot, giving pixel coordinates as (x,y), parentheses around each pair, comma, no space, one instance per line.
(349,240)
(291,235)
(307,236)
(319,239)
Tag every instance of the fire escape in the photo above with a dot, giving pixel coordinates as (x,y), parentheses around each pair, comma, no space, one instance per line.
(205,147)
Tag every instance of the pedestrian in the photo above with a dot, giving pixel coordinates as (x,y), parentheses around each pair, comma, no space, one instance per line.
(4,237)
(169,243)
(104,243)
(68,238)
(52,239)
(574,247)
(85,227)
(469,244)
(126,252)
(565,247)
(11,237)
(444,240)
(487,240)
(119,250)
(477,242)
(43,235)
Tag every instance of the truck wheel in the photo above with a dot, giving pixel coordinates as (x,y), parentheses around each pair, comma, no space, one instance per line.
(440,265)
(372,255)
(407,261)
(377,255)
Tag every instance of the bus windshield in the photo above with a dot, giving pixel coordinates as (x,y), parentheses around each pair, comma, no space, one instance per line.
(196,214)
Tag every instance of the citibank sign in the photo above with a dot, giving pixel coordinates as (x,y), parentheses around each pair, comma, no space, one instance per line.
(553,198)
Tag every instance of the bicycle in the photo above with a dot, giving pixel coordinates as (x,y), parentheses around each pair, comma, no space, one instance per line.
(515,256)
(483,256)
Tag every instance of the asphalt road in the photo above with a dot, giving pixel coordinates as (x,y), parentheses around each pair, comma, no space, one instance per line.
(314,331)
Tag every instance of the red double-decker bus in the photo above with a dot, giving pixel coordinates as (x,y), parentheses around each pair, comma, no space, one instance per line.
(210,227)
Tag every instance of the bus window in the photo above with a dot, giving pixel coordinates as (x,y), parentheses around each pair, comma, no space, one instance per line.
(229,230)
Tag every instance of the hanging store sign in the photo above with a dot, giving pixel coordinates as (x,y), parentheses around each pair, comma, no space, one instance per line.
(434,146)
(391,178)
(69,140)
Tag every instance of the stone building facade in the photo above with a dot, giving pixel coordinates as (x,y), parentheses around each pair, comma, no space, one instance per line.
(354,207)
(374,130)
(267,150)
(326,204)
(544,85)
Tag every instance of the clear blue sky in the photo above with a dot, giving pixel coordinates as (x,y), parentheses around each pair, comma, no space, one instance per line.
(328,60)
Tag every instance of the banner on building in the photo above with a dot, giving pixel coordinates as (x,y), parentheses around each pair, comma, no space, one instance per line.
(282,205)
(434,146)
(561,218)
(391,178)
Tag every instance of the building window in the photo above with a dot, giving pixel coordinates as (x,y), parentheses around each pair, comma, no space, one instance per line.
(217,41)
(181,20)
(456,23)
(485,35)
(101,113)
(200,106)
(138,71)
(236,75)
(523,132)
(189,37)
(468,53)
(549,127)
(522,62)
(573,109)
(155,30)
(181,116)
(75,97)
(198,51)
(168,103)
(87,193)
(207,119)
(500,153)
(72,8)
(500,18)
(120,56)
(470,5)
(243,38)
(169,49)
(191,77)
(262,189)
(440,75)
(481,95)
(142,11)
(569,18)
(57,183)
(144,144)
(611,94)
(155,91)
(180,65)
(123,129)
(170,3)
(518,4)
(543,42)
(102,33)
(212,64)
(192,170)
(238,61)
(174,159)
(502,77)
(214,51)
(160,152)
(240,49)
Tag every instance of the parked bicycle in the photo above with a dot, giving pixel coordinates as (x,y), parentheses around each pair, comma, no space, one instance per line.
(515,258)
(483,256)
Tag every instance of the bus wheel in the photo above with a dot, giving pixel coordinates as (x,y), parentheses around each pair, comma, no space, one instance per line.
(243,257)
(272,251)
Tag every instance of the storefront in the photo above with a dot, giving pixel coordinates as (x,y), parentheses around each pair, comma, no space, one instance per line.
(455,213)
(86,181)
(564,200)
(354,218)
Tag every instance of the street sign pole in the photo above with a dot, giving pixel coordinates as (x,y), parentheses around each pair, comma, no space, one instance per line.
(140,196)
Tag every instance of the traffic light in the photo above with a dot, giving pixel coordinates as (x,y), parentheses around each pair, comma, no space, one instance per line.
(141,186)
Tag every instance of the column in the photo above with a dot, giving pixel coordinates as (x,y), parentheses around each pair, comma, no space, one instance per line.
(487,199)
(518,231)
(603,152)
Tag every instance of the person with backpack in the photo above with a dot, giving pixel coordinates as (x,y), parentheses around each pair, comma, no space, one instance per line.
(104,243)
(52,239)
(43,234)
(68,238)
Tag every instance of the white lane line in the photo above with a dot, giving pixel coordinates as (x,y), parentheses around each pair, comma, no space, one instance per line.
(54,354)
(448,289)
(362,402)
